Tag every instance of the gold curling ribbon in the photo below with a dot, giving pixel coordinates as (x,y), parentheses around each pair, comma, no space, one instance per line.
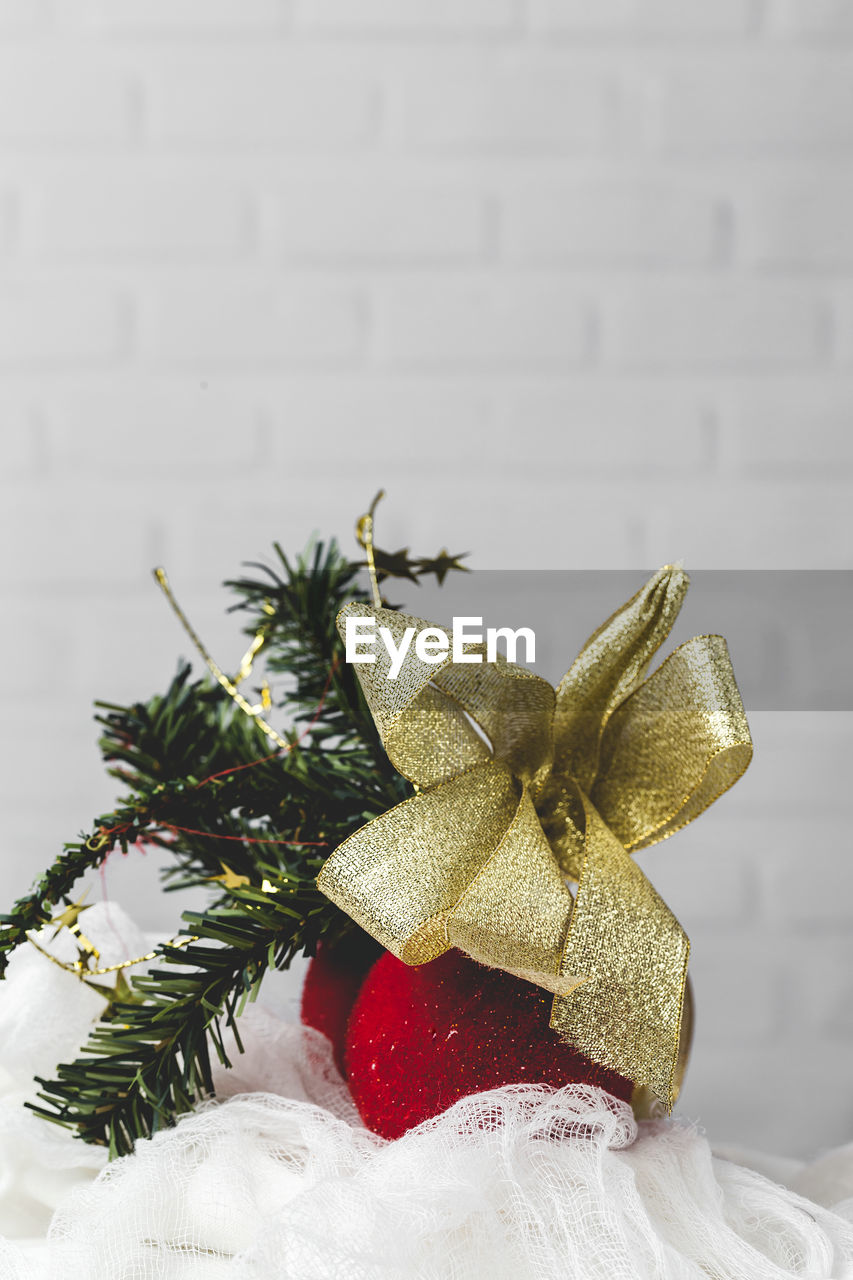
(552,787)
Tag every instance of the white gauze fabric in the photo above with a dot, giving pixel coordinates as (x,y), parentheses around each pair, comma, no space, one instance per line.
(45,1016)
(517,1182)
(278,1178)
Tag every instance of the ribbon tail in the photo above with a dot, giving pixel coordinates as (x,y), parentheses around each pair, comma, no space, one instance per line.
(627,1016)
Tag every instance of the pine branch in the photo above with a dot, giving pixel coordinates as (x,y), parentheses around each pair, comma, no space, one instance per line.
(192,726)
(251,824)
(294,606)
(151,1061)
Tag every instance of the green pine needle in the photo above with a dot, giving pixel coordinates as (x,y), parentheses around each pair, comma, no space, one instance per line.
(228,811)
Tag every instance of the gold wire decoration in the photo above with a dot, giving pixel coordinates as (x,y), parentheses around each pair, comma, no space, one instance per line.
(216,671)
(81,968)
(245,670)
(364,534)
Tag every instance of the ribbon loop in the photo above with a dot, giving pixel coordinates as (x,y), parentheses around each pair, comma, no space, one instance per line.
(527,927)
(674,745)
(401,875)
(513,706)
(427,735)
(611,664)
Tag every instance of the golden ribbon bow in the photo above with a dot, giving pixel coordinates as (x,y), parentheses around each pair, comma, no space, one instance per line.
(569,783)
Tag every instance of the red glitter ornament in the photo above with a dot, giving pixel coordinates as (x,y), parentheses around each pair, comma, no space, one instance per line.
(332,982)
(421,1037)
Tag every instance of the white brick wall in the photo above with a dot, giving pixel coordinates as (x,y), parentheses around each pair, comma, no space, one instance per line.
(798,223)
(345,223)
(778,102)
(48,102)
(237,100)
(736,327)
(51,326)
(632,19)
(623,224)
(574,280)
(824,19)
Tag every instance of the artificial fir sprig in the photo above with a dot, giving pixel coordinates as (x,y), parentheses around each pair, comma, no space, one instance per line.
(149,1060)
(251,824)
(293,607)
(287,806)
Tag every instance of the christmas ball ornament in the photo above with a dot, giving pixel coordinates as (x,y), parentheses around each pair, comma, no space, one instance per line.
(421,1037)
(332,982)
(520,788)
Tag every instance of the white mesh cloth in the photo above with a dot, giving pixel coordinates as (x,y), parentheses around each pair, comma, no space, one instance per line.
(279,1179)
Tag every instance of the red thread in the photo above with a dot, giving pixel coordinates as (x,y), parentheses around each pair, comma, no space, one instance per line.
(215,835)
(282,750)
(237,767)
(117,830)
(321,703)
